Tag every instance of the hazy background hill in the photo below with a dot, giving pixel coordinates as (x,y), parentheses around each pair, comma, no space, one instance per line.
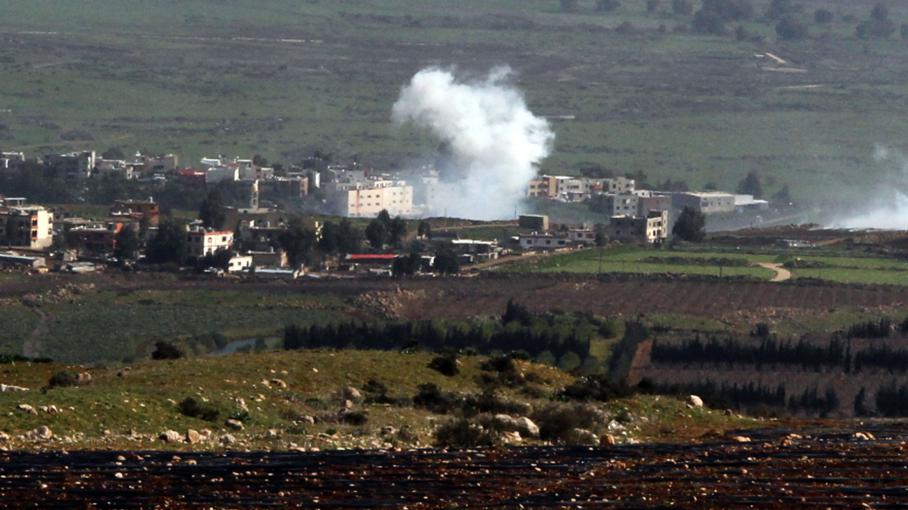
(627,90)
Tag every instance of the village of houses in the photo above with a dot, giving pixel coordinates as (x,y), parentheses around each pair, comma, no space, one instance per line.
(39,238)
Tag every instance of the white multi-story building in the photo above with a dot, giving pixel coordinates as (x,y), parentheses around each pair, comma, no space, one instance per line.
(201,242)
(367,198)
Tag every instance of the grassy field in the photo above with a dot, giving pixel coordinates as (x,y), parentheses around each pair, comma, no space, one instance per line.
(843,268)
(114,326)
(128,407)
(282,78)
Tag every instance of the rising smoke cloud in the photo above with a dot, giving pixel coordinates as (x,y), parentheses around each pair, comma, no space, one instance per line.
(493,142)
(888,203)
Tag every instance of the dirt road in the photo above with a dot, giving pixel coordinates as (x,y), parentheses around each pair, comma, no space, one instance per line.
(781,275)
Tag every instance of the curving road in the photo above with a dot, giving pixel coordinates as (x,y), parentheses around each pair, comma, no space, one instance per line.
(781,275)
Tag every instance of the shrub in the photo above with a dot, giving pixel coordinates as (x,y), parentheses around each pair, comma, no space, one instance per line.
(355,417)
(375,392)
(195,408)
(500,364)
(557,421)
(491,402)
(432,398)
(63,379)
(445,365)
(166,350)
(462,433)
(595,387)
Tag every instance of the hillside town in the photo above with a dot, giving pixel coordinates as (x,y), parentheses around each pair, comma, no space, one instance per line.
(259,233)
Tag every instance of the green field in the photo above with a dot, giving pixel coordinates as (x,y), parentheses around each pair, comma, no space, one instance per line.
(282,78)
(711,261)
(112,326)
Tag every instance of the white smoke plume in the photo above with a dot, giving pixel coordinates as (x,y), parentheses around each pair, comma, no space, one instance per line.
(889,209)
(492,141)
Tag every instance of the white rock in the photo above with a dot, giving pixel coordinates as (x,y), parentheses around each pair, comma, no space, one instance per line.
(526,427)
(171,436)
(234,424)
(42,433)
(695,401)
(6,388)
(228,439)
(26,408)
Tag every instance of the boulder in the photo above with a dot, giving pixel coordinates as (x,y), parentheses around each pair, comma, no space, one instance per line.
(6,388)
(280,383)
(42,433)
(694,401)
(511,437)
(193,436)
(351,393)
(504,422)
(388,430)
(228,439)
(26,408)
(863,436)
(526,427)
(584,437)
(171,436)
(307,419)
(83,378)
(740,439)
(607,440)
(234,424)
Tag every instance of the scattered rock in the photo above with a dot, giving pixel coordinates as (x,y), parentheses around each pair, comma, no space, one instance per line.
(307,419)
(241,403)
(26,408)
(4,437)
(42,433)
(388,430)
(584,437)
(346,404)
(234,424)
(228,439)
(740,439)
(863,436)
(695,401)
(351,393)
(6,388)
(511,437)
(193,436)
(526,427)
(171,436)
(83,378)
(280,383)
(273,433)
(607,440)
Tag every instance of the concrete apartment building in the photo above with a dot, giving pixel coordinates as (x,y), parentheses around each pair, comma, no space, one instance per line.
(576,189)
(652,228)
(707,202)
(26,227)
(620,204)
(73,166)
(201,242)
(137,209)
(368,197)
(99,237)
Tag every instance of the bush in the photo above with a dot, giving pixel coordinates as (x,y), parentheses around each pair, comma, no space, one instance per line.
(430,396)
(375,392)
(63,379)
(195,408)
(557,421)
(462,433)
(500,364)
(356,418)
(491,402)
(445,365)
(166,350)
(594,387)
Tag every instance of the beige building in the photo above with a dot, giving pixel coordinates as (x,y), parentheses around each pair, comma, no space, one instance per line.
(27,227)
(651,229)
(367,198)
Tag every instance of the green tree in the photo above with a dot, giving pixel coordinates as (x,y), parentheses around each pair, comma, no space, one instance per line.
(397,231)
(424,230)
(212,210)
(751,185)
(298,241)
(376,234)
(328,242)
(406,265)
(690,226)
(113,153)
(126,244)
(168,245)
(879,26)
(446,262)
(349,238)
(790,29)
(783,196)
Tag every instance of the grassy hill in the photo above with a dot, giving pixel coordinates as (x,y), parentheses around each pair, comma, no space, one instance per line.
(282,78)
(128,407)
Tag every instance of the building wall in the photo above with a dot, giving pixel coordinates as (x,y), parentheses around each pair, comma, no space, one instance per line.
(369,201)
(30,227)
(707,203)
(200,243)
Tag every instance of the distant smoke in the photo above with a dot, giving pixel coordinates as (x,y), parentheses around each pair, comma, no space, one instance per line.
(491,141)
(889,209)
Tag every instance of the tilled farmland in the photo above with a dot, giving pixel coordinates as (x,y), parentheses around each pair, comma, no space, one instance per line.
(832,468)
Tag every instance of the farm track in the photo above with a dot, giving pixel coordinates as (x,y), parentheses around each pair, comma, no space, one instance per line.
(827,469)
